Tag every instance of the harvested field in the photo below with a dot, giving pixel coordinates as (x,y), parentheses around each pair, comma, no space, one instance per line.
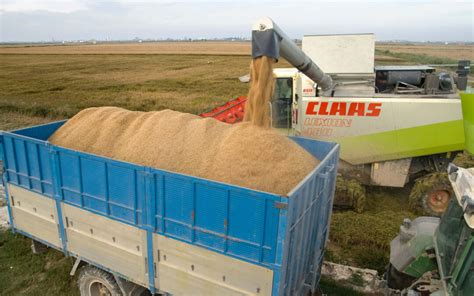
(14,120)
(184,47)
(59,86)
(451,51)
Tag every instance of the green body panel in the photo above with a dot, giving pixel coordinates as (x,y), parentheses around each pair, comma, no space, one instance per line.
(455,251)
(462,281)
(404,143)
(467,102)
(423,263)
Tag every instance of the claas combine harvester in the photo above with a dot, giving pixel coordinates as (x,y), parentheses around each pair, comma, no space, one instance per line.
(395,124)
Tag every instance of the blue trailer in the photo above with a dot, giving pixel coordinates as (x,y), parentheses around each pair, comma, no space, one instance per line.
(135,226)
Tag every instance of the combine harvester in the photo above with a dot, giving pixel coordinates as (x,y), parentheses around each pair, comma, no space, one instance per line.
(394,123)
(133,228)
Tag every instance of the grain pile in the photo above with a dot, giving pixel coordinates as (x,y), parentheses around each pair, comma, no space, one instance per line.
(257,109)
(240,154)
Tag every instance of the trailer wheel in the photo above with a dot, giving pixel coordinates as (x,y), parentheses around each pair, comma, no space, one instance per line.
(431,194)
(97,282)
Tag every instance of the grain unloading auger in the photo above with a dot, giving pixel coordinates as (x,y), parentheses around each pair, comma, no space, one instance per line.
(269,40)
(395,124)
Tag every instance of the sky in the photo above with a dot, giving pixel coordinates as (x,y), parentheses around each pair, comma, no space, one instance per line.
(416,20)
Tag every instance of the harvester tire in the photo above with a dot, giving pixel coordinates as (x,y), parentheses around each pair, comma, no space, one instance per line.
(94,281)
(396,279)
(431,194)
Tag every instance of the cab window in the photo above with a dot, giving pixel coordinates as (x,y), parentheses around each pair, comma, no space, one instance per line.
(281,103)
(283,89)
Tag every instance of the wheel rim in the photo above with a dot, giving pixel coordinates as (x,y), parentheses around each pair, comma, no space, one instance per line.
(99,289)
(438,200)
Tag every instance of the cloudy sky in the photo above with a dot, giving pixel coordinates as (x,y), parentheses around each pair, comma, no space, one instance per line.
(37,20)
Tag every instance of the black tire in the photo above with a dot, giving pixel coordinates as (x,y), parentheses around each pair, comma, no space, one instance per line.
(398,280)
(431,194)
(94,281)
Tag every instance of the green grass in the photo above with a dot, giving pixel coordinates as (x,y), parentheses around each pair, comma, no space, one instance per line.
(23,273)
(363,239)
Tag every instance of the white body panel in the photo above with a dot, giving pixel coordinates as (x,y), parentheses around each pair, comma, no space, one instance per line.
(393,173)
(462,181)
(112,244)
(183,269)
(341,54)
(34,214)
